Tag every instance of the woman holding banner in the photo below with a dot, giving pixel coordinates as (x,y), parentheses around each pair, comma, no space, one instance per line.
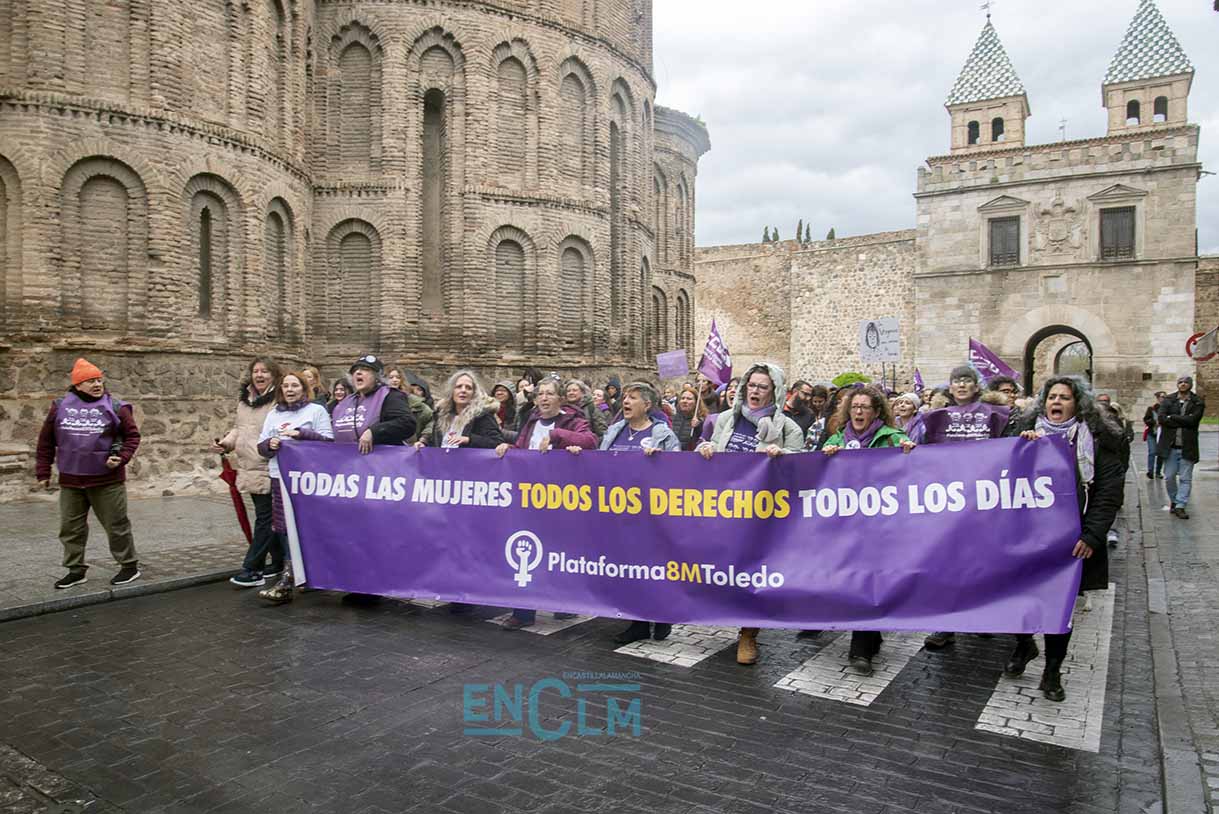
(864,421)
(465,416)
(639,431)
(754,424)
(296,416)
(1065,407)
(550,425)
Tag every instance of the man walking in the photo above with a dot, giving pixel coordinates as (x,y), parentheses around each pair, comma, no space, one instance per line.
(1179,415)
(1151,432)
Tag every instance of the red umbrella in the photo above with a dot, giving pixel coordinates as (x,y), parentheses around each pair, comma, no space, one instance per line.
(229,475)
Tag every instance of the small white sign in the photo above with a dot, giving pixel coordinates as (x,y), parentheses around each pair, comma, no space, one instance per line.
(880,340)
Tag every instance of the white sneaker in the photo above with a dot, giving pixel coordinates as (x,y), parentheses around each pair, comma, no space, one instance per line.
(1167,508)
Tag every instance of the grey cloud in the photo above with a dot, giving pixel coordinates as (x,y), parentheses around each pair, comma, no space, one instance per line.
(825,110)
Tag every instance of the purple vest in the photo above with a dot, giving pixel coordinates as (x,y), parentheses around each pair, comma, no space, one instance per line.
(964,422)
(84,434)
(357,413)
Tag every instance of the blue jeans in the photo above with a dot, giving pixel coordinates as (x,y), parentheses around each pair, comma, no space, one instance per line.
(1178,478)
(1152,460)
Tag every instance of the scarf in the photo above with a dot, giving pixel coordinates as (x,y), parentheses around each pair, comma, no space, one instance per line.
(293,407)
(770,430)
(861,440)
(1080,437)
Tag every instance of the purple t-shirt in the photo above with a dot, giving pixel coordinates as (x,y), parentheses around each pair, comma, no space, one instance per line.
(631,440)
(744,436)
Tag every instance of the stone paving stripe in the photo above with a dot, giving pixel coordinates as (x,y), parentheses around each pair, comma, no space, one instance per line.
(828,675)
(1017,707)
(545,623)
(686,646)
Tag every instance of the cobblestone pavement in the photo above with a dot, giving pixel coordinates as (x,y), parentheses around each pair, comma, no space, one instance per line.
(176,537)
(1188,554)
(201,700)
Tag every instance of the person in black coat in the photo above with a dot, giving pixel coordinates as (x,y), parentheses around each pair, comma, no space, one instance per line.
(1066,407)
(465,416)
(1179,416)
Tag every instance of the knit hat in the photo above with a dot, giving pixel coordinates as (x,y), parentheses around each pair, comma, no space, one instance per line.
(912,398)
(371,362)
(962,372)
(84,370)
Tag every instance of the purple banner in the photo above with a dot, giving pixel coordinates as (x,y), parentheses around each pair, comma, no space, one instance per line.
(919,387)
(967,537)
(716,363)
(988,365)
(672,364)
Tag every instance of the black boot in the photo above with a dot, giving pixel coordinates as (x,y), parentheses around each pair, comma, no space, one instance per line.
(636,631)
(661,631)
(1051,680)
(1026,650)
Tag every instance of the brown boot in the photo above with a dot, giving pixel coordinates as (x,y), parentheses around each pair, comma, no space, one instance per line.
(747,646)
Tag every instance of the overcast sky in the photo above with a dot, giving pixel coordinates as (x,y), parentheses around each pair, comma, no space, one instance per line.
(824,109)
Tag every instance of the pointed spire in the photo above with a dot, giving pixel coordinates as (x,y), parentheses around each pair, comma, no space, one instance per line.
(1149,49)
(988,73)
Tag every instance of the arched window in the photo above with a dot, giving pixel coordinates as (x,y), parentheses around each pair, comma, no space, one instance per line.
(509,296)
(975,132)
(205,263)
(277,257)
(573,283)
(1160,110)
(617,283)
(659,338)
(434,173)
(996,129)
(576,121)
(355,107)
(511,108)
(1132,112)
(685,321)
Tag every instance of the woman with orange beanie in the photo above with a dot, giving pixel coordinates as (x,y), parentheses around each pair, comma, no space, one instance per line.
(90,436)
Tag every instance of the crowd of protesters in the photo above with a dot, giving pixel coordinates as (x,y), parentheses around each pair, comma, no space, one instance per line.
(91,436)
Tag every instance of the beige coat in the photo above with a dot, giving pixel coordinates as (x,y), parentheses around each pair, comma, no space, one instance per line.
(251,467)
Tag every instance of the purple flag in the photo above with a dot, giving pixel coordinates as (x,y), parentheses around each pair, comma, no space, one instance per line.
(672,364)
(918,382)
(988,365)
(716,363)
(740,540)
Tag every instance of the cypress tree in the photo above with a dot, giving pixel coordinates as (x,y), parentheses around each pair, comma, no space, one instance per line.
(765,234)
(800,231)
(830,235)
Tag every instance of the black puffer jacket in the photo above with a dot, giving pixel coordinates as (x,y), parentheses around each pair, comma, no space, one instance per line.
(1098,506)
(1179,418)
(483,432)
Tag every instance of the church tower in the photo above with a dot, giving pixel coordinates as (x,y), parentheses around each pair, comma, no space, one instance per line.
(1147,84)
(987,104)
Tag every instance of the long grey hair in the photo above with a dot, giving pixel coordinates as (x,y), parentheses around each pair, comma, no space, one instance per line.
(446,420)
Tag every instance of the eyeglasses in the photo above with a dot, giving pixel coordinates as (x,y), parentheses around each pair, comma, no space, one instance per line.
(762,388)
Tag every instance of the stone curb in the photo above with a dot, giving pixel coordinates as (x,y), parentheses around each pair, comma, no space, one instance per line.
(1180,765)
(109,594)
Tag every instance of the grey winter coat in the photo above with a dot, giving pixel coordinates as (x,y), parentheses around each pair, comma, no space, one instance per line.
(774,429)
(662,436)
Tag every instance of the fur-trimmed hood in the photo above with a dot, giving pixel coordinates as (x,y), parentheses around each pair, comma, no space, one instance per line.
(776,376)
(1103,425)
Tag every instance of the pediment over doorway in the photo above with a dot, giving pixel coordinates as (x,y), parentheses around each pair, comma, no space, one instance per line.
(1004,203)
(1117,192)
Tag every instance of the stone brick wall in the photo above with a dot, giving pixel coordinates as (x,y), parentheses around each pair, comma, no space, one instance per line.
(746,289)
(316,180)
(837,284)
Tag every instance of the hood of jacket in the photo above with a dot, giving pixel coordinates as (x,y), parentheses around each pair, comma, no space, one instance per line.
(777,377)
(411,378)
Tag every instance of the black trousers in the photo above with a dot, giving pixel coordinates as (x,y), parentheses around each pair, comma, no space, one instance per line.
(265,540)
(865,643)
(1055,644)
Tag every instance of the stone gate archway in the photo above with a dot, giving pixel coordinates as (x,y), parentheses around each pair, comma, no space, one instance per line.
(1037,366)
